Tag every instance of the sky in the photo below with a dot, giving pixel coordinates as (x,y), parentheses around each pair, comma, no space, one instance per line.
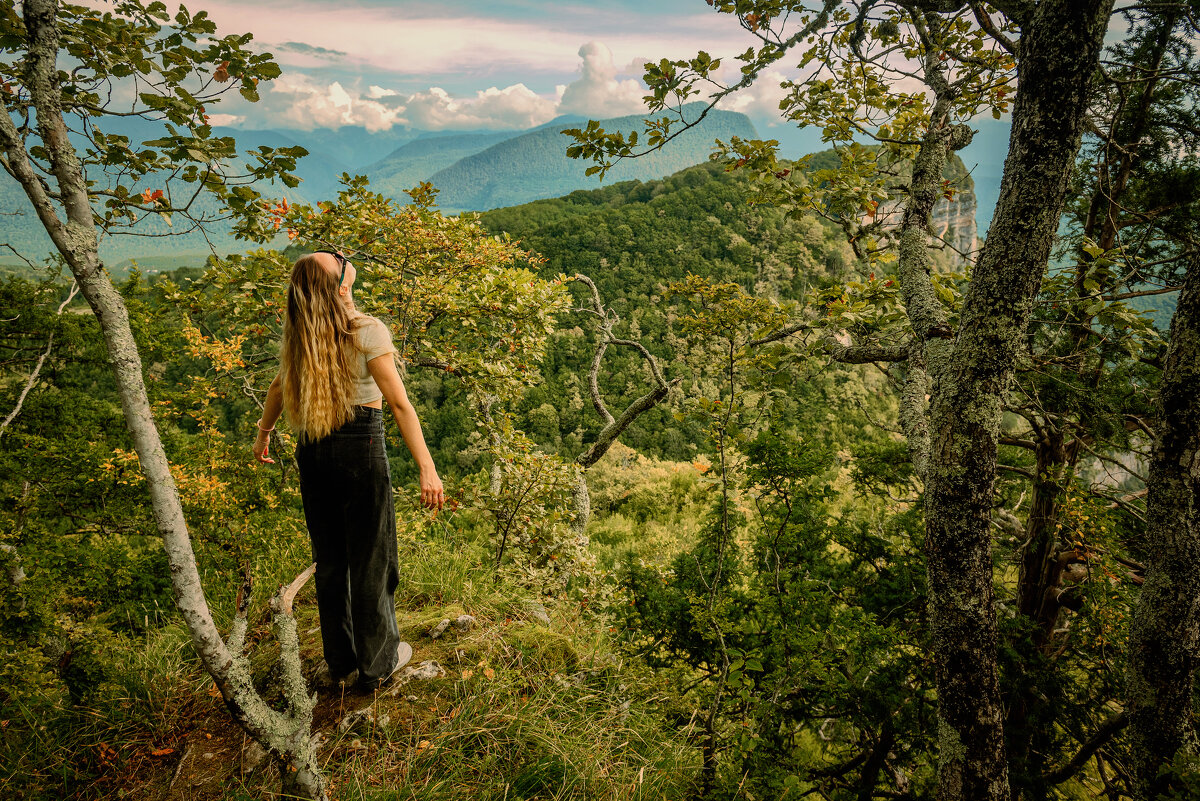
(462,65)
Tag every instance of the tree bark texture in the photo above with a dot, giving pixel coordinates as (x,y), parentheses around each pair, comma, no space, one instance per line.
(1060,442)
(1164,637)
(1057,56)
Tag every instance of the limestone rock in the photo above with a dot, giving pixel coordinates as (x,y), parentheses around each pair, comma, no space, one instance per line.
(536,611)
(429,669)
(253,756)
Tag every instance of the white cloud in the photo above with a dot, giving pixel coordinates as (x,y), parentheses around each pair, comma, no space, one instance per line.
(225,119)
(637,66)
(598,92)
(760,101)
(514,107)
(299,101)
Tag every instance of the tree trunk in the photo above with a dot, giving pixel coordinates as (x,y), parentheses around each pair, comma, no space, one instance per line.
(76,239)
(1058,54)
(1060,445)
(1164,636)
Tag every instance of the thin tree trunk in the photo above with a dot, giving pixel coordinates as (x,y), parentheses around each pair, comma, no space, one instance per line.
(1164,636)
(76,239)
(1058,54)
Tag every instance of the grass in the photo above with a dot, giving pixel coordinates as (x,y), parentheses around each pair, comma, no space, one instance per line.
(525,710)
(54,748)
(507,723)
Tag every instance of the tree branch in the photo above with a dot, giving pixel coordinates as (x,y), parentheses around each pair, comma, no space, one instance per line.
(1103,734)
(37,368)
(989,26)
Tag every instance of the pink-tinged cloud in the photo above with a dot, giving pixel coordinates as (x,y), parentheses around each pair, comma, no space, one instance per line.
(297,100)
(599,92)
(389,38)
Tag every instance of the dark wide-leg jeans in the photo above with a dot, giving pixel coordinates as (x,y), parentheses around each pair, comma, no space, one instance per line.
(346,485)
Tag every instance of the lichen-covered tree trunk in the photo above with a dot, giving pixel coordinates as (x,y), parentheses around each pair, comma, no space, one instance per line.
(1058,54)
(76,239)
(1061,441)
(1164,636)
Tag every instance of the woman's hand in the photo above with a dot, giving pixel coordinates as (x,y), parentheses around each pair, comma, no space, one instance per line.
(432,493)
(271,409)
(261,443)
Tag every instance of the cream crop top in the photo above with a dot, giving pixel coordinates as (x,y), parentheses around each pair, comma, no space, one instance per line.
(374,340)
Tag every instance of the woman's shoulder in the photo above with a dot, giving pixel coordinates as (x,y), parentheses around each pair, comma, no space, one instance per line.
(374,335)
(366,323)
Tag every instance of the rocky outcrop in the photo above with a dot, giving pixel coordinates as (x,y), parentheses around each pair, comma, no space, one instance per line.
(953,221)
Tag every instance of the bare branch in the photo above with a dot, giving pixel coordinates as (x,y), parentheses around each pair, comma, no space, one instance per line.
(615,425)
(1103,734)
(1018,470)
(781,333)
(236,641)
(282,602)
(37,368)
(989,26)
(865,354)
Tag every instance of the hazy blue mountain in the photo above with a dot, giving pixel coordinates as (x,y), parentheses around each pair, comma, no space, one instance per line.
(474,170)
(153,237)
(352,145)
(534,165)
(416,161)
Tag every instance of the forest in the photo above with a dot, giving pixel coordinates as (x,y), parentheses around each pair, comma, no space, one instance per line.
(760,484)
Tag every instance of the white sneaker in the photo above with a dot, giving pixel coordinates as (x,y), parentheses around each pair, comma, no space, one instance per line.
(403,655)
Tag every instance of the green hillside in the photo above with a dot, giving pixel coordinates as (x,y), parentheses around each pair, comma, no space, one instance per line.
(535,165)
(632,238)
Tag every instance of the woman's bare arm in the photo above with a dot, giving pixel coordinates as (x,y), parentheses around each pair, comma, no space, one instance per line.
(383,370)
(272,408)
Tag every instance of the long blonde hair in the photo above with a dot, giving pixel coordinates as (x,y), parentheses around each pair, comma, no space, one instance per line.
(317,356)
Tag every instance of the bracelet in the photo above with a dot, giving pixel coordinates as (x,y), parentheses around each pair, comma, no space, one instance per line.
(257,424)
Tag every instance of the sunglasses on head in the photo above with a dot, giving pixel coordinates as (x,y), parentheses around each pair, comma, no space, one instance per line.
(342,261)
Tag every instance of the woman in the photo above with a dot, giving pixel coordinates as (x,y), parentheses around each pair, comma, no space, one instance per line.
(336,367)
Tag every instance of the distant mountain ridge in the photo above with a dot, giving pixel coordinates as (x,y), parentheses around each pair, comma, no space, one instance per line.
(474,170)
(534,165)
(416,161)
